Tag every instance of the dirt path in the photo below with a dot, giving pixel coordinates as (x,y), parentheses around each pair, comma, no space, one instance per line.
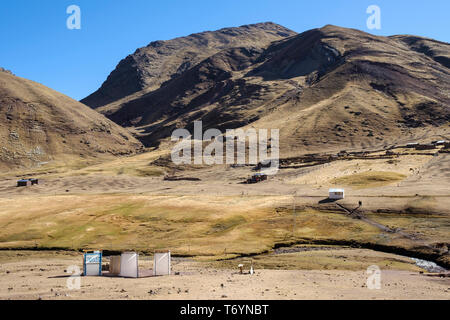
(356,214)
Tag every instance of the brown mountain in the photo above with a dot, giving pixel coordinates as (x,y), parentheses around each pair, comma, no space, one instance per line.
(161,61)
(38,125)
(325,89)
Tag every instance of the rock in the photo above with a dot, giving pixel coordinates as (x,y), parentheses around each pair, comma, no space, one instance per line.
(5,70)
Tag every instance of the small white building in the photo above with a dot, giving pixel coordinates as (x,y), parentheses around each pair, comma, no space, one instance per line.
(162,263)
(129,265)
(336,194)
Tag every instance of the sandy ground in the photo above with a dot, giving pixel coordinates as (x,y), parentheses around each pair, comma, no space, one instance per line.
(43,277)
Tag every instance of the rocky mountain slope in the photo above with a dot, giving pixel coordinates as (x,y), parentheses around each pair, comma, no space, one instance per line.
(38,125)
(325,89)
(160,61)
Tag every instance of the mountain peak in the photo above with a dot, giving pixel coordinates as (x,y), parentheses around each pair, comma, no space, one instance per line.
(160,61)
(329,87)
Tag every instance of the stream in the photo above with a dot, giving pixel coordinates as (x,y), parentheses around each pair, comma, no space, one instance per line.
(428,265)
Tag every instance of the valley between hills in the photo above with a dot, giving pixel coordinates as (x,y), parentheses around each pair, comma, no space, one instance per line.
(348,105)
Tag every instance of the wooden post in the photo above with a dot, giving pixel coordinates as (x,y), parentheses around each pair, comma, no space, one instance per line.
(293,225)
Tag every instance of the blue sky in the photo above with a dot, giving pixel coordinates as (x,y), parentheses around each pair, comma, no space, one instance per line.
(36,44)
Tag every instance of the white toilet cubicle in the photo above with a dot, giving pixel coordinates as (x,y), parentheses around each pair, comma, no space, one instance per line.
(129,265)
(161,264)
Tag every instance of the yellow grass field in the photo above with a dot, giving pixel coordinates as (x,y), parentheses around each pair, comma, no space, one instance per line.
(125,204)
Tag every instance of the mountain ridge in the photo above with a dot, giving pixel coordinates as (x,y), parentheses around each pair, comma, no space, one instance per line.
(348,88)
(160,61)
(39,125)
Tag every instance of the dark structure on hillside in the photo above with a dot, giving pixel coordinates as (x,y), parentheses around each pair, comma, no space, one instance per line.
(25,182)
(22,183)
(425,147)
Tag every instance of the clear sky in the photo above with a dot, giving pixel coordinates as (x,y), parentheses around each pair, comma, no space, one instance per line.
(36,43)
